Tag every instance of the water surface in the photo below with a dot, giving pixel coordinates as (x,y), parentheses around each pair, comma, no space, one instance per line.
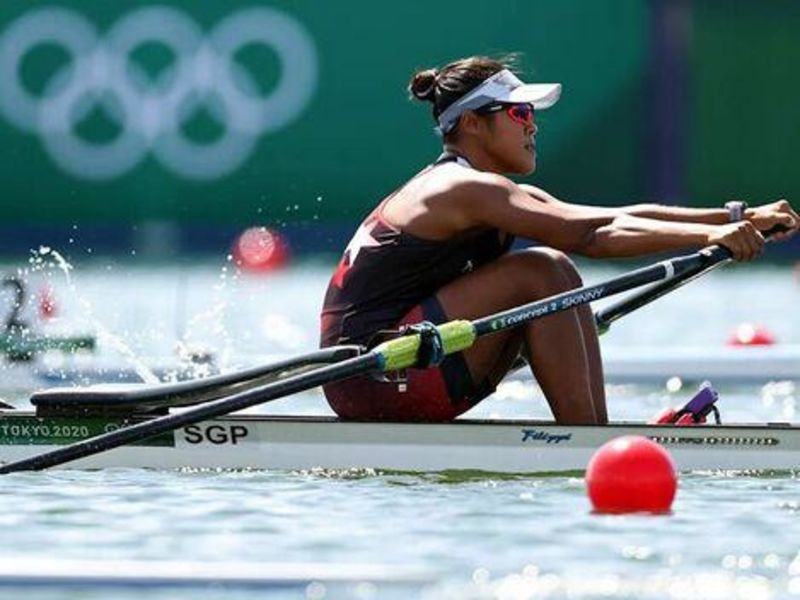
(730,535)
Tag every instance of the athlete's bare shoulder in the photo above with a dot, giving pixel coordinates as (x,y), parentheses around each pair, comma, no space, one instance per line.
(474,182)
(431,203)
(538,193)
(489,199)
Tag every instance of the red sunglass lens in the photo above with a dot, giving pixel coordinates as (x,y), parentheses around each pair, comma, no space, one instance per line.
(522,113)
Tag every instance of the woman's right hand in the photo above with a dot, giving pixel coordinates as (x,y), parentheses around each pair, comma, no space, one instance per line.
(742,238)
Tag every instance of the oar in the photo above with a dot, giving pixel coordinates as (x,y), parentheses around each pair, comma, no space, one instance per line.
(606,316)
(183,393)
(393,355)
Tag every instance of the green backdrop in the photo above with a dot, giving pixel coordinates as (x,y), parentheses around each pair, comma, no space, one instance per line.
(358,135)
(355,135)
(745,112)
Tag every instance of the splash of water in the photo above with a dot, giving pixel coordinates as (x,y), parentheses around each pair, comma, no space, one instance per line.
(212,320)
(48,259)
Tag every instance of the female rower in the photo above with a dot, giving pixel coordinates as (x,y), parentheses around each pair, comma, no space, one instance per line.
(438,248)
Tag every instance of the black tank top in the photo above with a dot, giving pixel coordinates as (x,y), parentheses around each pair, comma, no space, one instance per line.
(384,272)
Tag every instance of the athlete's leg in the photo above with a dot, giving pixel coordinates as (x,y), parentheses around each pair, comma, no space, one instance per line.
(560,356)
(590,337)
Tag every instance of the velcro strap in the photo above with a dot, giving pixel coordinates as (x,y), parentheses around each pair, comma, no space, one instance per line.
(431,347)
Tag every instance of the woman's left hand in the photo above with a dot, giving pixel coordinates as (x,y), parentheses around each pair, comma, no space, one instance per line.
(767,216)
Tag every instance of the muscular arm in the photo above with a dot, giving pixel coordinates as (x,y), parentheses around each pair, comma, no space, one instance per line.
(589,231)
(659,212)
(765,217)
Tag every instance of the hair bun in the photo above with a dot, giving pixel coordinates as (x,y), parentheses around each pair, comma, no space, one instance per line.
(423,85)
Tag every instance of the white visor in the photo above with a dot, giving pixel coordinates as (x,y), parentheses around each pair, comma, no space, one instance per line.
(503,86)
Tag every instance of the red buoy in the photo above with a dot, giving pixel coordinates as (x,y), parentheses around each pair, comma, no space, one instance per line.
(260,249)
(751,334)
(631,474)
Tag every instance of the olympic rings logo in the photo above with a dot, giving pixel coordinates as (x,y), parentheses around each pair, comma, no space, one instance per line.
(151,112)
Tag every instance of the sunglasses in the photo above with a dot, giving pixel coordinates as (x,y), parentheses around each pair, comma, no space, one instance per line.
(519,113)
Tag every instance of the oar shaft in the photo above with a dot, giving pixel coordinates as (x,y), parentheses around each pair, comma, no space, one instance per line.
(718,256)
(147,429)
(675,267)
(608,315)
(188,392)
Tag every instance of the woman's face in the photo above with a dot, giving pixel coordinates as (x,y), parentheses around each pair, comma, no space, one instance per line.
(511,142)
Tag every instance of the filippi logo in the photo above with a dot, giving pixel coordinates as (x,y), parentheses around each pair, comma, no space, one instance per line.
(537,435)
(151,113)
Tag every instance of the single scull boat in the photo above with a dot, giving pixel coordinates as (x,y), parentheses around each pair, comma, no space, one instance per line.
(261,442)
(139,427)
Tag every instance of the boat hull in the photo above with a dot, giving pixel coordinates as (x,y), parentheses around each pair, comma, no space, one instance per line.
(296,443)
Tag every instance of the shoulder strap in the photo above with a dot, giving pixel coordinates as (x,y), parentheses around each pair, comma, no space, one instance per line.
(446,157)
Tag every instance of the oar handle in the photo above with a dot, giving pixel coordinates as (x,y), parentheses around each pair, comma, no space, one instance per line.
(719,252)
(775,229)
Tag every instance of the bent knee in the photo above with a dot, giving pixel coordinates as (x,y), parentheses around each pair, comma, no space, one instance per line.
(547,264)
(560,260)
(536,273)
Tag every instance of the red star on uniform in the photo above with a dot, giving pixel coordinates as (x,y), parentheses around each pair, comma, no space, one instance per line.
(362,239)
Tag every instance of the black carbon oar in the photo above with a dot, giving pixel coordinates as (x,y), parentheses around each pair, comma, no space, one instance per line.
(393,355)
(184,393)
(606,316)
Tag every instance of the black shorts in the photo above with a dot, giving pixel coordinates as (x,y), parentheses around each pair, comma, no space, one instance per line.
(436,394)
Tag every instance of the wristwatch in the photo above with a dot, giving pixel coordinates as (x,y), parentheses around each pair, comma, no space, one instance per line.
(736,210)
